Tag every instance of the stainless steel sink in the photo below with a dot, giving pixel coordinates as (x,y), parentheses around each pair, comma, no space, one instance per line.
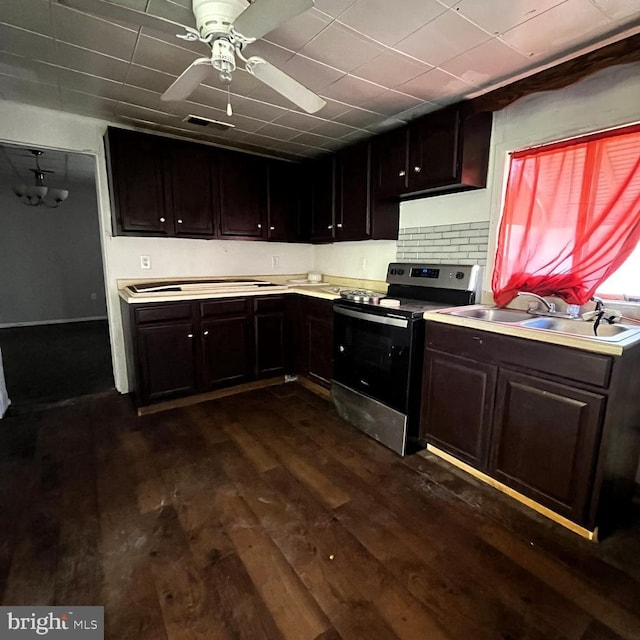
(610,332)
(567,326)
(493,314)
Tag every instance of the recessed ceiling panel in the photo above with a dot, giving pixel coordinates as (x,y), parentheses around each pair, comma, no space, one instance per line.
(342,48)
(443,38)
(345,50)
(389,22)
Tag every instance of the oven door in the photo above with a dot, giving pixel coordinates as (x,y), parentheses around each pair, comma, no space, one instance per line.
(372,355)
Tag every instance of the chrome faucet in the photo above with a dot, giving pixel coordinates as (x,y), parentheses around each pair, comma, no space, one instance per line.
(551,307)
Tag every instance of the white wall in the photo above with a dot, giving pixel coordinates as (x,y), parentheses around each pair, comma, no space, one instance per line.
(43,128)
(50,259)
(606,99)
(346,259)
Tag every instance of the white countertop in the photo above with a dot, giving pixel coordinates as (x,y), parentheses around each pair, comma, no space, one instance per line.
(282,285)
(540,335)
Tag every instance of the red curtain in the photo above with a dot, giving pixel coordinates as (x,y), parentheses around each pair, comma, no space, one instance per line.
(571,216)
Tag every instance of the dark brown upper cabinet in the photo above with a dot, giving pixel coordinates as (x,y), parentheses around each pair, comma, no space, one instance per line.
(389,163)
(136,182)
(321,199)
(353,203)
(441,152)
(283,212)
(243,195)
(191,189)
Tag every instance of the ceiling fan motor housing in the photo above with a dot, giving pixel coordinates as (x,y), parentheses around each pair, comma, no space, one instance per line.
(215,17)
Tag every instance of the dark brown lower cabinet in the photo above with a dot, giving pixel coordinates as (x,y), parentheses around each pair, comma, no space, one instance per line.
(555,423)
(461,428)
(269,331)
(167,360)
(197,346)
(226,339)
(315,340)
(546,438)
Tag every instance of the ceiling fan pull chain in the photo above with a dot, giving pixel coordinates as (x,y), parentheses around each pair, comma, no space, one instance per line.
(229,109)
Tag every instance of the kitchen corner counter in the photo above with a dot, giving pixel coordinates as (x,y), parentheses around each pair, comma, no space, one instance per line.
(279,285)
(539,335)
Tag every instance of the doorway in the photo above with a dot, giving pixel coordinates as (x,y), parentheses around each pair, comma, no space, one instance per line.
(54,337)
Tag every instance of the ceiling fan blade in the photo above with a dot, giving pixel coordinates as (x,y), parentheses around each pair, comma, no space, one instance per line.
(188,81)
(112,11)
(285,85)
(265,15)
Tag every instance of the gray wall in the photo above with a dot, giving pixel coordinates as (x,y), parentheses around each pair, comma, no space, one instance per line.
(50,259)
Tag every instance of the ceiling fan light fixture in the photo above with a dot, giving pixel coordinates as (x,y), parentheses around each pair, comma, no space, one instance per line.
(222,56)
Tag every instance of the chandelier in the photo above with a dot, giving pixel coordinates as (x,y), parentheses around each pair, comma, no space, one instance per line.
(38,194)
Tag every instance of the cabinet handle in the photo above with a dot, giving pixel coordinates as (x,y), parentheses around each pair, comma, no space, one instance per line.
(179,221)
(259,226)
(272,228)
(402,173)
(206,333)
(417,169)
(189,335)
(161,219)
(330,227)
(339,225)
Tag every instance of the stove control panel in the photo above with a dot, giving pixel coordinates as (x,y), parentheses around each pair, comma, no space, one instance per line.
(440,276)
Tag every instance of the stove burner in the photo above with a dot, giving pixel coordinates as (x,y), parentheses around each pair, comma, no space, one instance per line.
(364,296)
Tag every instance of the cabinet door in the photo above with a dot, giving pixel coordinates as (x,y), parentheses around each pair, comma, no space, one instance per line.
(322,200)
(434,150)
(136,178)
(190,191)
(457,406)
(545,441)
(320,352)
(268,325)
(227,341)
(284,202)
(166,356)
(243,195)
(226,351)
(389,163)
(352,193)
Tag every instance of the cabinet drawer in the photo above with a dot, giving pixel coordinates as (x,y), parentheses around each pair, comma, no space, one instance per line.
(224,307)
(557,360)
(163,313)
(271,304)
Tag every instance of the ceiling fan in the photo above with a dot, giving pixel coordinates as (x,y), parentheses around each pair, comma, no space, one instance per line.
(226,26)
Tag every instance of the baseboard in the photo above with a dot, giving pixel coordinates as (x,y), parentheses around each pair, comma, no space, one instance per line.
(37,323)
(314,387)
(532,504)
(210,395)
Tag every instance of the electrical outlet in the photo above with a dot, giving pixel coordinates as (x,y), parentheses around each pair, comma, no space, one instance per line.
(145,262)
(363,263)
(94,296)
(275,262)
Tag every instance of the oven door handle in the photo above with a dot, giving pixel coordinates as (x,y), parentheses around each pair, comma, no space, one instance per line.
(370,317)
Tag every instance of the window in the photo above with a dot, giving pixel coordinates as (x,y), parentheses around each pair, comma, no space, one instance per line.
(571,220)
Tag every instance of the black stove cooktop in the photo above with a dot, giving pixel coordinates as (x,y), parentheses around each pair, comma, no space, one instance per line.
(419,288)
(408,308)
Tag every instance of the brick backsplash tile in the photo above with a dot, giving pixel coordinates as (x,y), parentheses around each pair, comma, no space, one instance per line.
(465,243)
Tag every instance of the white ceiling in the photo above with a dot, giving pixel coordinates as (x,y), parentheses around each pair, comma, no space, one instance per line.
(378,63)
(67,168)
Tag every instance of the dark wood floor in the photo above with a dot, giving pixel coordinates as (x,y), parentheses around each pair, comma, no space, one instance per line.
(51,363)
(264,516)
